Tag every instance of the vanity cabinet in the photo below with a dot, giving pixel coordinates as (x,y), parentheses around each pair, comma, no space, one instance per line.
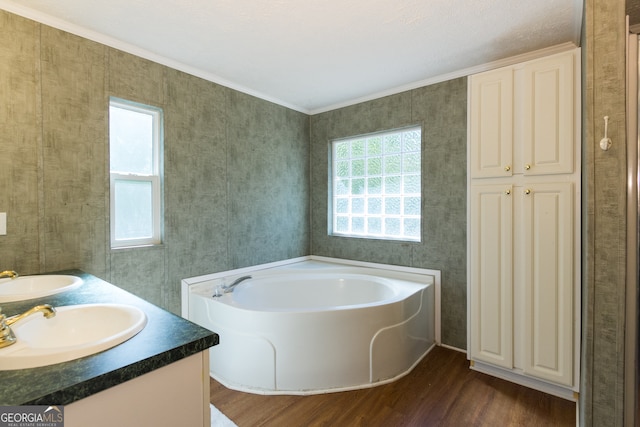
(174,395)
(523,223)
(159,377)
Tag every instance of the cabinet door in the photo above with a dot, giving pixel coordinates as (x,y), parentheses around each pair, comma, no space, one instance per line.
(549,117)
(549,255)
(491,278)
(491,124)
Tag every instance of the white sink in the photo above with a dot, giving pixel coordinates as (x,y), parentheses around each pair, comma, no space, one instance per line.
(28,287)
(75,331)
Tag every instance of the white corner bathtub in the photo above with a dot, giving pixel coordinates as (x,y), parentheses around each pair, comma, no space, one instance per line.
(314,326)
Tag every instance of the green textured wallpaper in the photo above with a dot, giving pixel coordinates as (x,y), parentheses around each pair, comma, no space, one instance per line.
(604,216)
(20,142)
(246,180)
(441,110)
(236,168)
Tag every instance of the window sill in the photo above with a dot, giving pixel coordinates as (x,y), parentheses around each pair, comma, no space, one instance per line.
(159,246)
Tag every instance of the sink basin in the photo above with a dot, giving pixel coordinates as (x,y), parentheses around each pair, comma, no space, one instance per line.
(28,287)
(75,331)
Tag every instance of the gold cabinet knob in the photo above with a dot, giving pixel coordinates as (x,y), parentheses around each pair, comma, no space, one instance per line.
(507,192)
(507,168)
(527,166)
(527,191)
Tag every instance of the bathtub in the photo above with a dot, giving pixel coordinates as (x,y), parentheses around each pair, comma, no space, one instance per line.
(315,325)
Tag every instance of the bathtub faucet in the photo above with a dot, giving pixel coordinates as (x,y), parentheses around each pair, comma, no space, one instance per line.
(229,288)
(8,273)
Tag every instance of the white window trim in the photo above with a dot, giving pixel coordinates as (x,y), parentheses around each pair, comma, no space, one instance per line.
(332,207)
(155,179)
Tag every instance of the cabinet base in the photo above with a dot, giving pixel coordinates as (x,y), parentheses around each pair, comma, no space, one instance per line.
(517,377)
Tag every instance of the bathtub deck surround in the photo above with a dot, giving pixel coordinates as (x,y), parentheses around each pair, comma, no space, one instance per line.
(316,325)
(168,350)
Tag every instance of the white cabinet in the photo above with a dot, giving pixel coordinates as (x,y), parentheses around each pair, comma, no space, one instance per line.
(526,112)
(542,278)
(491,129)
(523,223)
(548,282)
(548,115)
(491,274)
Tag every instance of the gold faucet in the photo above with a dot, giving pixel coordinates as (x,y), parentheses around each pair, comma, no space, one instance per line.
(45,309)
(7,337)
(8,273)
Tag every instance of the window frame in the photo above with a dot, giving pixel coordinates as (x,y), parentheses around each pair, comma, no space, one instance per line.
(333,214)
(155,179)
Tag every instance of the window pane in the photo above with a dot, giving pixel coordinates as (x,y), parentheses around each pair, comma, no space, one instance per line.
(357,148)
(135,158)
(392,143)
(134,209)
(392,226)
(374,166)
(374,185)
(342,150)
(342,169)
(342,205)
(357,205)
(411,163)
(357,167)
(374,146)
(392,164)
(357,186)
(357,225)
(342,224)
(375,205)
(412,206)
(377,185)
(130,141)
(412,227)
(412,184)
(392,185)
(342,187)
(375,225)
(392,206)
(411,141)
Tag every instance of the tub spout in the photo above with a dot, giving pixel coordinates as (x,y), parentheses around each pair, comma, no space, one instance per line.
(8,273)
(229,288)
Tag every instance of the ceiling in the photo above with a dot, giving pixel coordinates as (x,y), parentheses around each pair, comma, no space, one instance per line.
(315,55)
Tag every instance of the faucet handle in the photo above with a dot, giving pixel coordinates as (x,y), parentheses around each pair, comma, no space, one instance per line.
(218,291)
(7,337)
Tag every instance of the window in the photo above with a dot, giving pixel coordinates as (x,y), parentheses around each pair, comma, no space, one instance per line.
(135,146)
(376,188)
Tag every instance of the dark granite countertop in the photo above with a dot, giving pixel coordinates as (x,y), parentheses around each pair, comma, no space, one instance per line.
(165,339)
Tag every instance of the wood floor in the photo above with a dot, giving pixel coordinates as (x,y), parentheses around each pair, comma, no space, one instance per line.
(440,391)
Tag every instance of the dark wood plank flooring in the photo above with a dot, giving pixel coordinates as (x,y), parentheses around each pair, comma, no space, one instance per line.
(440,391)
